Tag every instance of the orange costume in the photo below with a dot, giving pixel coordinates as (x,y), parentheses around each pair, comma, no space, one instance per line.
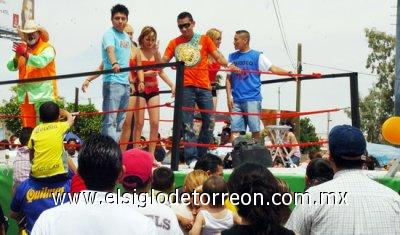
(37,62)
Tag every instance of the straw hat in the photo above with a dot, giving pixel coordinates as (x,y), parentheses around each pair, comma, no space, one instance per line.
(30,27)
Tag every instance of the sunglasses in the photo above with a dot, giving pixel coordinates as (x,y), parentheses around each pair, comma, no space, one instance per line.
(182,26)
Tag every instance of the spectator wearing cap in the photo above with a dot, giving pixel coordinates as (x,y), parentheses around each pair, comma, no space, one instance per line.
(100,166)
(225,136)
(362,206)
(137,180)
(72,151)
(224,147)
(70,135)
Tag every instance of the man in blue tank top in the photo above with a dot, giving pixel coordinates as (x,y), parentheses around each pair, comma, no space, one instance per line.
(244,89)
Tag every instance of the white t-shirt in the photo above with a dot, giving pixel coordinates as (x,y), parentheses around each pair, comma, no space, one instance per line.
(93,218)
(264,64)
(164,218)
(216,226)
(74,158)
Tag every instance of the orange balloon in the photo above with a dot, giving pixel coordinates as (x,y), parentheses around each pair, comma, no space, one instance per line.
(391,130)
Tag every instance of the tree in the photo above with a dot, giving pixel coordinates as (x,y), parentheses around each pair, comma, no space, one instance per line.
(11,108)
(378,105)
(308,134)
(83,125)
(371,109)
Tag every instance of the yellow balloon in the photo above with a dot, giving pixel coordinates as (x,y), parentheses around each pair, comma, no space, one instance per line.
(391,130)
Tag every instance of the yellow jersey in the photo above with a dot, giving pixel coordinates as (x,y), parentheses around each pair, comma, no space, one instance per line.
(49,156)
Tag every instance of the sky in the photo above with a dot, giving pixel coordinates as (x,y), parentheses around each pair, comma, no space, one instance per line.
(331,34)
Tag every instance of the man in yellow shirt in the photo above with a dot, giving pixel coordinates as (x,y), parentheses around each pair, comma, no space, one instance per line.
(46,143)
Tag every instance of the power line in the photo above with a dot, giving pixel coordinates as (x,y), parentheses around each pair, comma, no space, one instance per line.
(345,70)
(282,31)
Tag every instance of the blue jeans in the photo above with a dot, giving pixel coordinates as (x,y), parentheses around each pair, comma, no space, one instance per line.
(115,97)
(240,122)
(203,99)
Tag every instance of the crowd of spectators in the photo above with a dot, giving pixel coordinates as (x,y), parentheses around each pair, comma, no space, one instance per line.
(98,165)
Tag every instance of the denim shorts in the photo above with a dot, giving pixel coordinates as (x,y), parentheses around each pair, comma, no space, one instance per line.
(240,122)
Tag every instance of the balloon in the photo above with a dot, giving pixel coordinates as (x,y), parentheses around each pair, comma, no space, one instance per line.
(391,130)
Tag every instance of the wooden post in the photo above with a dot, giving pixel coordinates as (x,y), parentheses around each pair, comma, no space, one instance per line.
(298,90)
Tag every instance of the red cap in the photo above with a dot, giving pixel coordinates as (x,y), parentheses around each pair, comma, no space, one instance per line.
(137,163)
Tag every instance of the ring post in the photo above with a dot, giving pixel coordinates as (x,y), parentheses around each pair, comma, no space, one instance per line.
(354,100)
(177,126)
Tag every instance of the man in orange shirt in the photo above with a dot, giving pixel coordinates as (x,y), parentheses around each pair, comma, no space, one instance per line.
(193,49)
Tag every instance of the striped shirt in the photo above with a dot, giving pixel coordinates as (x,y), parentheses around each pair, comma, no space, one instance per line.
(370,207)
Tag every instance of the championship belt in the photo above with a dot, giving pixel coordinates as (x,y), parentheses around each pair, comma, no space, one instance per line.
(189,52)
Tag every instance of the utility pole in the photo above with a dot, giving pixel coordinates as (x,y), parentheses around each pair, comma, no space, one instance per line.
(76,99)
(279,99)
(76,105)
(397,81)
(328,123)
(298,89)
